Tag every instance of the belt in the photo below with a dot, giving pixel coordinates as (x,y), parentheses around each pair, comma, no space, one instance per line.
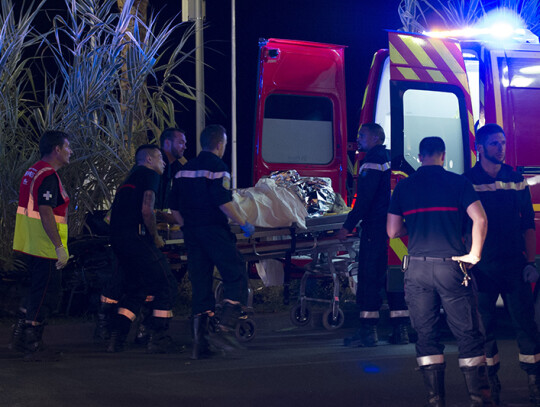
(425,258)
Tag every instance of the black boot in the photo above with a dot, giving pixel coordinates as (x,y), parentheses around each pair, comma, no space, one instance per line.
(102,332)
(142,335)
(534,389)
(477,383)
(199,333)
(119,333)
(365,336)
(434,382)
(221,337)
(400,335)
(17,335)
(369,335)
(494,384)
(158,340)
(229,315)
(35,350)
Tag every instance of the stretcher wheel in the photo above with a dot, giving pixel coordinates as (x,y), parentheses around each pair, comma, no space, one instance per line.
(218,292)
(329,323)
(297,318)
(245,330)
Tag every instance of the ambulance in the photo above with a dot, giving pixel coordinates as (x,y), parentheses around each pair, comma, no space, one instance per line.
(437,83)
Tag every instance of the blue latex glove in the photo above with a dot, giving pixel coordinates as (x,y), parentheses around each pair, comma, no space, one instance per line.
(248,229)
(530,273)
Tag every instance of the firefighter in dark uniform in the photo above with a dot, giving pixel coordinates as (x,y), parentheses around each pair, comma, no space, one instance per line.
(41,234)
(201,200)
(508,257)
(136,243)
(173,145)
(372,200)
(434,204)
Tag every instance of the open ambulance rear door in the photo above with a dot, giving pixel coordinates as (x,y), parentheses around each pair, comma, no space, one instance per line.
(301,114)
(512,99)
(418,88)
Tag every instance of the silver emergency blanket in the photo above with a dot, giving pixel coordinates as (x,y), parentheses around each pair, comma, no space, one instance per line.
(316,193)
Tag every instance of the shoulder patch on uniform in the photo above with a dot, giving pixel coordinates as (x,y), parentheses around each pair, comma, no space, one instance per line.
(226,183)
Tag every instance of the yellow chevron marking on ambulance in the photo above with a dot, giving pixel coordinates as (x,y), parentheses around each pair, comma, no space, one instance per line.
(396,57)
(398,247)
(415,45)
(471,122)
(447,56)
(365,96)
(536,207)
(471,130)
(373,60)
(437,76)
(408,73)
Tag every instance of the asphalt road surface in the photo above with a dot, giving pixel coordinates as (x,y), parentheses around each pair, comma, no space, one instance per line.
(283,366)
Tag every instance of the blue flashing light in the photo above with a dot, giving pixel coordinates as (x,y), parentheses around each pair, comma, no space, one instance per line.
(501,26)
(370,369)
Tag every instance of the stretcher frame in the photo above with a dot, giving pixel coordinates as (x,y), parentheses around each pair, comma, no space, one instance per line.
(330,256)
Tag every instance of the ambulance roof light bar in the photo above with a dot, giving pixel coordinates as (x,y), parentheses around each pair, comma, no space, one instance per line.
(501,25)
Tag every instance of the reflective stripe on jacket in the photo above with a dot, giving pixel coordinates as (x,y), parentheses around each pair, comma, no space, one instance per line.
(30,236)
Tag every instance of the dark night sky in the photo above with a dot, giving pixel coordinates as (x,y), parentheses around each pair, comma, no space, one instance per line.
(358,24)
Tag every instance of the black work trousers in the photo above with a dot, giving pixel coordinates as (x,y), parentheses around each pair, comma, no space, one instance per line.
(518,301)
(44,293)
(146,272)
(209,247)
(372,267)
(430,284)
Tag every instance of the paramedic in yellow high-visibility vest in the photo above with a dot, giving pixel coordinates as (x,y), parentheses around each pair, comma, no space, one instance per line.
(41,235)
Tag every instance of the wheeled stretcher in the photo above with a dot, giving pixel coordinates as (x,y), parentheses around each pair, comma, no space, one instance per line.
(323,255)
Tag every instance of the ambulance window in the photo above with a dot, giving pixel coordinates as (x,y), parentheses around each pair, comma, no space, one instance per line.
(297,130)
(432,113)
(523,73)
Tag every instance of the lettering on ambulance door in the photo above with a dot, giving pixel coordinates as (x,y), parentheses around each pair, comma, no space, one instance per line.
(298,130)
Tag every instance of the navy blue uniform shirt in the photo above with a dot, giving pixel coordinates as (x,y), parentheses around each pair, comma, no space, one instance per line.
(200,188)
(507,202)
(166,181)
(373,190)
(434,202)
(126,213)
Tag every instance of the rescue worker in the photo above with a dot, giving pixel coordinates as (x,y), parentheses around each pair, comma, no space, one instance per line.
(373,198)
(136,242)
(173,145)
(508,257)
(41,234)
(434,204)
(201,201)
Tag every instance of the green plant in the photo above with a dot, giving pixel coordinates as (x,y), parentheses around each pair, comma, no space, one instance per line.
(18,97)
(105,77)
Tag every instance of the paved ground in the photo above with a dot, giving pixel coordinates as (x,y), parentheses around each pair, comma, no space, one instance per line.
(283,366)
